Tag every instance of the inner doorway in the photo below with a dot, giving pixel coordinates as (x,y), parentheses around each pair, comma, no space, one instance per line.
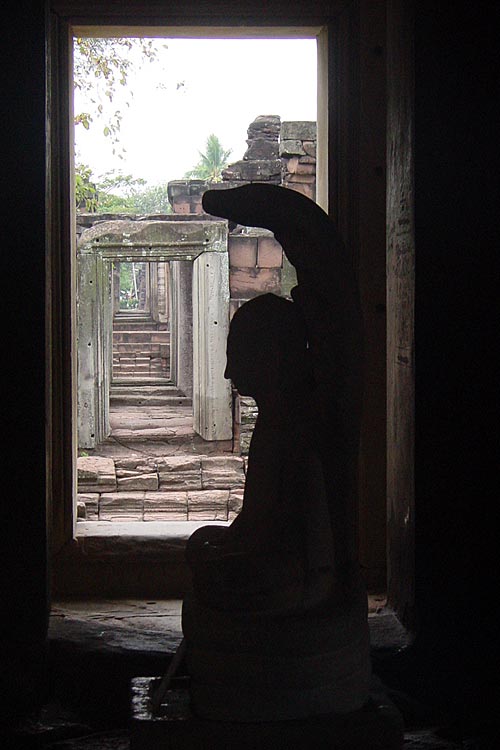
(169,378)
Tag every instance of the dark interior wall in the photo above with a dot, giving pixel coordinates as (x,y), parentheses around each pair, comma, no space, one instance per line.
(24,573)
(400,266)
(454,327)
(372,284)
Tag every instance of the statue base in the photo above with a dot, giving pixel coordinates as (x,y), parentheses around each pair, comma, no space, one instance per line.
(376,726)
(278,668)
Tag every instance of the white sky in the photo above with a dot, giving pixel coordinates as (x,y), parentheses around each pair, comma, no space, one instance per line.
(226,83)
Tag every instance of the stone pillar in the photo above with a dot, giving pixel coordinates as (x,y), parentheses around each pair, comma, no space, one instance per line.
(163,292)
(95,331)
(116,287)
(181,326)
(153,291)
(212,414)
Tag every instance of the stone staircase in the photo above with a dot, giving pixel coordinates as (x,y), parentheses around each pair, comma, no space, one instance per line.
(149,392)
(148,410)
(160,488)
(141,349)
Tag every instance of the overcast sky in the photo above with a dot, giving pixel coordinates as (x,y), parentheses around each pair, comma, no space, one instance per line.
(195,88)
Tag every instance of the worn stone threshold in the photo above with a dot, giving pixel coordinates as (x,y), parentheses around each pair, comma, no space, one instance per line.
(175,530)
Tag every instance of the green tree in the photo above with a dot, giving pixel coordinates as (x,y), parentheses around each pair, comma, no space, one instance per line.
(116,191)
(212,161)
(100,66)
(152,200)
(119,193)
(85,189)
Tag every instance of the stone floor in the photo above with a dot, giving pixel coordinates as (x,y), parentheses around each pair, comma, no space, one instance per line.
(96,647)
(156,431)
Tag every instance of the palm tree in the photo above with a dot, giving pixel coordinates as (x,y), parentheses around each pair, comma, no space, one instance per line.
(212,162)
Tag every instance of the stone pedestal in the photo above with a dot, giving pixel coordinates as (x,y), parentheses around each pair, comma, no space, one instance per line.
(376,726)
(265,667)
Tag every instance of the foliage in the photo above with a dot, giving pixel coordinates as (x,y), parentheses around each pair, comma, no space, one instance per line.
(212,162)
(100,66)
(116,193)
(129,299)
(152,200)
(85,190)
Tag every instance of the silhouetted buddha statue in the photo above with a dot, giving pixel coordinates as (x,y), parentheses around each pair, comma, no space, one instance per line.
(276,625)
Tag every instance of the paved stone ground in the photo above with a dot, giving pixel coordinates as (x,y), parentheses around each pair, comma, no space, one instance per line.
(156,431)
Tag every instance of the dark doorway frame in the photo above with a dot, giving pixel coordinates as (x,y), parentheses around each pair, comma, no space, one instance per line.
(351,172)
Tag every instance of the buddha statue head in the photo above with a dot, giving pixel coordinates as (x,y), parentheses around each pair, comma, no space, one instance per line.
(267,347)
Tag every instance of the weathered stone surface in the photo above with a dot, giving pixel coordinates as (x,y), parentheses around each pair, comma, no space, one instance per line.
(310,148)
(165,506)
(307,160)
(307,178)
(291,148)
(299,130)
(235,503)
(179,472)
(121,506)
(211,505)
(247,283)
(269,253)
(248,415)
(268,170)
(242,251)
(262,148)
(291,165)
(288,277)
(96,472)
(138,482)
(91,502)
(267,126)
(309,190)
(222,472)
(305,169)
(249,410)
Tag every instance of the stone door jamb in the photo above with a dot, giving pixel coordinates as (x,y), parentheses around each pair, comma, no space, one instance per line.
(204,244)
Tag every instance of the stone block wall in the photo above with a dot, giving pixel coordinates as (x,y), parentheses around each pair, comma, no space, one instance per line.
(297,151)
(160,488)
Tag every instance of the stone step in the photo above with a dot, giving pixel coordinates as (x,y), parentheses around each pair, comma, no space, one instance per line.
(135,314)
(144,400)
(134,366)
(128,336)
(194,486)
(129,325)
(140,362)
(145,346)
(157,505)
(128,393)
(132,321)
(130,367)
(153,389)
